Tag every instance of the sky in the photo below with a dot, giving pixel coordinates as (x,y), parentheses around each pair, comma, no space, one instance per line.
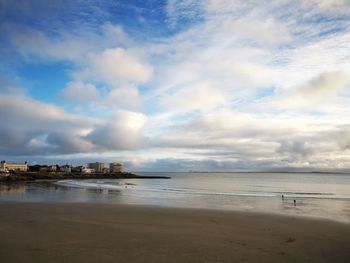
(177,85)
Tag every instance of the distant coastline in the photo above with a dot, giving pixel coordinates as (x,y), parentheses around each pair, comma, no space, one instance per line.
(272,172)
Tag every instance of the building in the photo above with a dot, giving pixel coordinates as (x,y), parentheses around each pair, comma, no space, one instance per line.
(52,168)
(98,167)
(77,169)
(115,168)
(67,169)
(105,170)
(22,167)
(4,172)
(87,170)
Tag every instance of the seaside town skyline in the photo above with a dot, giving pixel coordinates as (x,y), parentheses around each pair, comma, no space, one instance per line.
(177,85)
(95,167)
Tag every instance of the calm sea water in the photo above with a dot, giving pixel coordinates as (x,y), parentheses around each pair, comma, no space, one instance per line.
(317,195)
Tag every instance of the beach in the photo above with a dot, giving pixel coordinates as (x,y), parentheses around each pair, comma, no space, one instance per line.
(71,232)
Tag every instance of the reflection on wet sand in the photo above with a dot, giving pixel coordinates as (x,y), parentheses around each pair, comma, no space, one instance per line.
(12,188)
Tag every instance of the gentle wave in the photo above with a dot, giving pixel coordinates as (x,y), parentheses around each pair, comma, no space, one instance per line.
(82,184)
(128,187)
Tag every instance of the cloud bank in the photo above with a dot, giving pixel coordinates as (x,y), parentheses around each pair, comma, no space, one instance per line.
(35,128)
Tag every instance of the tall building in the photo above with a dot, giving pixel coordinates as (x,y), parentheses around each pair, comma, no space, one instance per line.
(98,167)
(23,167)
(115,168)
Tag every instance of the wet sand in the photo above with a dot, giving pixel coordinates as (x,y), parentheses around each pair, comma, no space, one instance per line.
(115,233)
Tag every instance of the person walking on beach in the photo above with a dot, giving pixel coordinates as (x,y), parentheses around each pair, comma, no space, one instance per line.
(282,197)
(295,203)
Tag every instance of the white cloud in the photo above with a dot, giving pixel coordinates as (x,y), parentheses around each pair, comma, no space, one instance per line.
(116,66)
(88,98)
(322,93)
(279,140)
(126,97)
(76,91)
(64,45)
(324,86)
(247,48)
(200,96)
(32,42)
(35,128)
(334,6)
(116,35)
(122,132)
(101,71)
(27,122)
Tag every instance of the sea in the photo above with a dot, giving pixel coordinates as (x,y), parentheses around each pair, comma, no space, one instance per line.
(318,195)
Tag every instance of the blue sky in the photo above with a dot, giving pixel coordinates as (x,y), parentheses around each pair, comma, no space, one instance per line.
(198,85)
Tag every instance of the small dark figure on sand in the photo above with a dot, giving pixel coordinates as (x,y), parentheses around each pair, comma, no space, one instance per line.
(282,197)
(295,203)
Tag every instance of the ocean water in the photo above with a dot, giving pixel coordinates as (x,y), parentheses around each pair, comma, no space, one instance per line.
(316,195)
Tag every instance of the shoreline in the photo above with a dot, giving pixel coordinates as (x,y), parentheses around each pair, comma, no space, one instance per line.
(199,209)
(25,192)
(32,176)
(85,232)
(249,213)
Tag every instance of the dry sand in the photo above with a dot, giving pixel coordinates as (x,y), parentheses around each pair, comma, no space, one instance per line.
(114,233)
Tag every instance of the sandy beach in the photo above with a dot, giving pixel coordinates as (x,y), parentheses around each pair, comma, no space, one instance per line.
(116,233)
